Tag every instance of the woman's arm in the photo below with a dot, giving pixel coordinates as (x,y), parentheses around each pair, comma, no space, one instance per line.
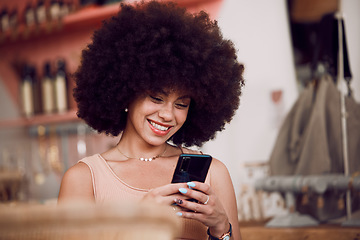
(76,184)
(221,183)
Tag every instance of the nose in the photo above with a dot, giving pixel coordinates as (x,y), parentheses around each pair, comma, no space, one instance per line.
(166,112)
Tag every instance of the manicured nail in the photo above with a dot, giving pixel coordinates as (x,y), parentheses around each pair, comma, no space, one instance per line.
(191,184)
(179,214)
(178,201)
(183,190)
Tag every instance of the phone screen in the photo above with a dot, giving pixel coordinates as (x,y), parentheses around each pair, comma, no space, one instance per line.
(191,167)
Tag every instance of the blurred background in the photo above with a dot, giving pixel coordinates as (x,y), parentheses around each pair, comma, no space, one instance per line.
(279,42)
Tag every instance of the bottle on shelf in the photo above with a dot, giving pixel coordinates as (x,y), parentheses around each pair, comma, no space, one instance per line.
(26,92)
(54,10)
(41,12)
(30,16)
(4,20)
(47,90)
(64,9)
(13,20)
(36,91)
(61,87)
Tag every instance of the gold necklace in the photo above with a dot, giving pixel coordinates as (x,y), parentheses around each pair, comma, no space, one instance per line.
(142,158)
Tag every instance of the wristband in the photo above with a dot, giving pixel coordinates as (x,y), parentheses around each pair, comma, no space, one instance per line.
(225,236)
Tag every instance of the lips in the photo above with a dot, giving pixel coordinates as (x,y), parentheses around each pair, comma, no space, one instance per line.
(159,129)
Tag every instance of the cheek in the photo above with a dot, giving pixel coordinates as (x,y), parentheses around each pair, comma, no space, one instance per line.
(181,117)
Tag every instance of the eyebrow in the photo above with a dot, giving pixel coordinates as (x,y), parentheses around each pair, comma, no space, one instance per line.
(167,94)
(185,96)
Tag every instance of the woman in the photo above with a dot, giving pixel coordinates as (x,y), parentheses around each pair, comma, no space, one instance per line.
(163,79)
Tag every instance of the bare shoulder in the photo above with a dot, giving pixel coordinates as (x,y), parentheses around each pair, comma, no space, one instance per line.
(79,173)
(79,170)
(218,165)
(219,176)
(76,183)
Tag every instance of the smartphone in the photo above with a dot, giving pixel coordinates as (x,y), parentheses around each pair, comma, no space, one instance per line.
(191,167)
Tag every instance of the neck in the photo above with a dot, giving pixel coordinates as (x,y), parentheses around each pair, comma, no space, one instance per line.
(139,149)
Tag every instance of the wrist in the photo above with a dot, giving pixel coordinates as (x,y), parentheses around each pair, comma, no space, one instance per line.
(220,228)
(224,235)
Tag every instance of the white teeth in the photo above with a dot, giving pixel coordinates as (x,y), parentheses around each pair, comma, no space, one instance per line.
(159,127)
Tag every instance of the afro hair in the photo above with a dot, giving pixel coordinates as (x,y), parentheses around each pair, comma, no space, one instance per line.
(151,46)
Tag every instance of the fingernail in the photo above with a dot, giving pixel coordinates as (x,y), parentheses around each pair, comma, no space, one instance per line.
(178,201)
(179,214)
(191,184)
(182,190)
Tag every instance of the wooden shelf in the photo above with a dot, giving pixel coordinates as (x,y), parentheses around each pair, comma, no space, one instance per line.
(47,119)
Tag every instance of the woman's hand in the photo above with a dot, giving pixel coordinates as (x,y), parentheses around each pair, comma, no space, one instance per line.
(166,194)
(208,208)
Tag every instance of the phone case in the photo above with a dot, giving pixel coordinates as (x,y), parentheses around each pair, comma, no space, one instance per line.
(191,167)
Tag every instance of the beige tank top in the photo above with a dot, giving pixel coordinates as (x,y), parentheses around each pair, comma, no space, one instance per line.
(108,187)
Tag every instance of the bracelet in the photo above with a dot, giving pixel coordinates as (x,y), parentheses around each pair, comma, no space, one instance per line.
(225,236)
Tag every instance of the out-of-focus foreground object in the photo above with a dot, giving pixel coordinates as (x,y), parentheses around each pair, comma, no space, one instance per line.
(88,221)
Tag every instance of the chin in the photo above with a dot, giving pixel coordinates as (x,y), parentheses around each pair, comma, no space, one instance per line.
(158,141)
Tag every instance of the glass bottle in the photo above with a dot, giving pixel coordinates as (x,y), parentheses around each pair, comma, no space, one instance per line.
(4,20)
(41,12)
(61,87)
(47,90)
(26,92)
(30,17)
(36,91)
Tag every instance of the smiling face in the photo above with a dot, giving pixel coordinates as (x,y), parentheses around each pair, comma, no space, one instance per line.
(155,117)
